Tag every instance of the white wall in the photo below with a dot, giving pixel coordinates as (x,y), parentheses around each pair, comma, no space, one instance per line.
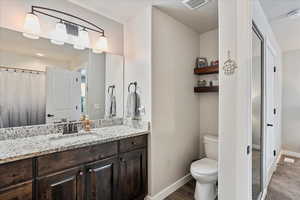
(209,102)
(137,49)
(235,29)
(175,114)
(209,45)
(291,101)
(12,14)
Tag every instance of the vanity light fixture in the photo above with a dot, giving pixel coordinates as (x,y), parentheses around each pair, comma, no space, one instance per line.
(59,35)
(80,38)
(83,40)
(32,26)
(101,45)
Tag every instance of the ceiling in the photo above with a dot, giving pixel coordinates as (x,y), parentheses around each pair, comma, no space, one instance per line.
(202,19)
(13,41)
(286,30)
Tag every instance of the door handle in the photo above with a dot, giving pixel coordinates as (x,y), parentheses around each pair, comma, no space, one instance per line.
(49,115)
(270,125)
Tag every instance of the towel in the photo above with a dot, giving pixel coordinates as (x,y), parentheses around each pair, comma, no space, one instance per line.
(133,105)
(111,105)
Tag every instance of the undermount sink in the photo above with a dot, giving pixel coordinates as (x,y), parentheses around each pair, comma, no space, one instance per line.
(71,135)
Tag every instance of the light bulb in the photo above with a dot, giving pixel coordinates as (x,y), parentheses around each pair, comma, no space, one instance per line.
(82,41)
(59,35)
(101,45)
(32,26)
(84,38)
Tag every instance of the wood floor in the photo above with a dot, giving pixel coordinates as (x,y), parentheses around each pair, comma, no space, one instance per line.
(186,192)
(285,182)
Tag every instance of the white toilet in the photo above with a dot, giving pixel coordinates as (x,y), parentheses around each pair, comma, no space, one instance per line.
(205,171)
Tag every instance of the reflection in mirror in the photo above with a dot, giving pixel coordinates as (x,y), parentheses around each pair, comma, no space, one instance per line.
(257,113)
(45,83)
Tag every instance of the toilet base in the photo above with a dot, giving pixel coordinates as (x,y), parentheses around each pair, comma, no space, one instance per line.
(205,191)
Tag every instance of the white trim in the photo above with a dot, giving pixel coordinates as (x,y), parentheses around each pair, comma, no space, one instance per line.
(170,189)
(271,172)
(291,153)
(272,49)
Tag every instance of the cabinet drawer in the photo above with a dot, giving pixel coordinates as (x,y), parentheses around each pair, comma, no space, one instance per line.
(15,172)
(133,143)
(62,160)
(17,192)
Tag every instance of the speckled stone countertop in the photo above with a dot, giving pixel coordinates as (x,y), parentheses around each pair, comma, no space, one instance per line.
(22,148)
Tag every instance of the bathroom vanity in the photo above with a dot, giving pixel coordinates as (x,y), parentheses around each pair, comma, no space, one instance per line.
(109,168)
(51,96)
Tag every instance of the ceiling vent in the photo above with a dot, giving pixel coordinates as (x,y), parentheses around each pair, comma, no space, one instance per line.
(194,4)
(294,14)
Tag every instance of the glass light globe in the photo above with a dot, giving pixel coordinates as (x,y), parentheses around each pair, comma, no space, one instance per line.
(31,26)
(101,45)
(59,35)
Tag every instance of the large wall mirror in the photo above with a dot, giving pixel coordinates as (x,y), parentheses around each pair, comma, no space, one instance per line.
(257,112)
(41,82)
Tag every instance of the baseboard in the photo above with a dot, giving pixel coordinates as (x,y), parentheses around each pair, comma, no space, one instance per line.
(290,153)
(170,189)
(264,195)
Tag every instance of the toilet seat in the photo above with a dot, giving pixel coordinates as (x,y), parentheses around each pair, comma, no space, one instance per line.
(205,166)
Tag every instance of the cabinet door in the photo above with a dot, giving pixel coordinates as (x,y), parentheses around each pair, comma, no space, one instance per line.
(102,180)
(19,192)
(65,185)
(133,175)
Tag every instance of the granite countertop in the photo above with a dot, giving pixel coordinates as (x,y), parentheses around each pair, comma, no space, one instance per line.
(22,148)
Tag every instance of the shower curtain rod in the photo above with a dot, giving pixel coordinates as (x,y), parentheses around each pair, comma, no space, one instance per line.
(21,69)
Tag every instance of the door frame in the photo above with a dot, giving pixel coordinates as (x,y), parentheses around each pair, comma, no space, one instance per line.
(263,111)
(268,173)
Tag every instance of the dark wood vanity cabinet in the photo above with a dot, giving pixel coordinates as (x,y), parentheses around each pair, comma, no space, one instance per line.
(16,180)
(110,171)
(64,185)
(21,191)
(102,180)
(133,175)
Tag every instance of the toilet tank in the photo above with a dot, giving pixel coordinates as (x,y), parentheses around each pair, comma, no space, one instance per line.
(211,146)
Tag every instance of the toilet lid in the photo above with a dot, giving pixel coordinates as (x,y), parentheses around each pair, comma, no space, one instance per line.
(205,166)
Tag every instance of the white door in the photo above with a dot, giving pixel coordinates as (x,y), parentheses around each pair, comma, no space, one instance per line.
(63,95)
(270,112)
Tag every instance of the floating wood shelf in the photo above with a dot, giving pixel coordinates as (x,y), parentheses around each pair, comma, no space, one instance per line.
(206,70)
(206,89)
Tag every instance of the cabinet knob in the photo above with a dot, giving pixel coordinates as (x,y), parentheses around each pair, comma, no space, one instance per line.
(91,170)
(80,173)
